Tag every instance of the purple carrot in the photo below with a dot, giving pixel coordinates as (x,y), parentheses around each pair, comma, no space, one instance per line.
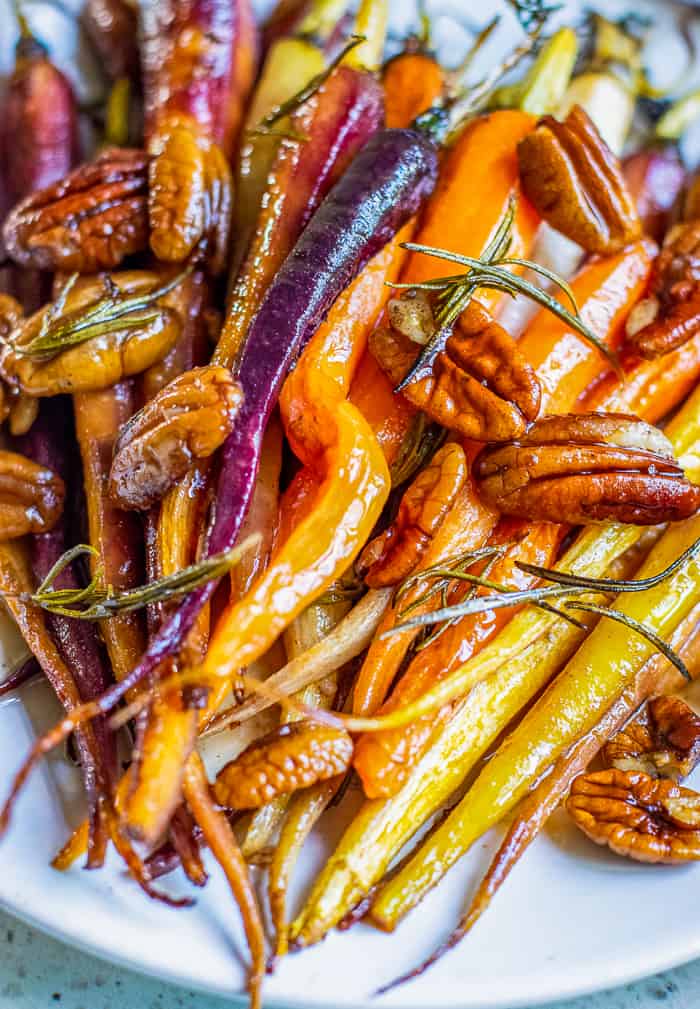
(383,188)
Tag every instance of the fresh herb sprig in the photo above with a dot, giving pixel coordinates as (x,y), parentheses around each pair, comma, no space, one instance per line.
(492,271)
(97,601)
(566,587)
(60,329)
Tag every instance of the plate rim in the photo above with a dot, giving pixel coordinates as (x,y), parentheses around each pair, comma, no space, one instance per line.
(629,971)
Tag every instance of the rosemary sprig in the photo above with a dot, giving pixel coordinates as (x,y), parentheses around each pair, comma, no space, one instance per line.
(565,587)
(308,91)
(646,632)
(99,602)
(492,271)
(106,315)
(611,584)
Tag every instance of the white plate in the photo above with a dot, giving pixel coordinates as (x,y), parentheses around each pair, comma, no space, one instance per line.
(571,919)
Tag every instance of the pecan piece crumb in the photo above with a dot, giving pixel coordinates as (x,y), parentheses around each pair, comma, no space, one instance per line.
(587,468)
(31,496)
(663,741)
(477,383)
(88,221)
(393,554)
(187,420)
(575,181)
(296,756)
(644,818)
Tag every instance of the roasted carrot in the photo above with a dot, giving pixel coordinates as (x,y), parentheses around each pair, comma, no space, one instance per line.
(413,82)
(605,290)
(466,527)
(658,676)
(478,178)
(218,834)
(336,120)
(607,662)
(115,534)
(383,760)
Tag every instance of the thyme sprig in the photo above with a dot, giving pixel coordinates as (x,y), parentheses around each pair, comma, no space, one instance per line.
(97,601)
(109,314)
(492,271)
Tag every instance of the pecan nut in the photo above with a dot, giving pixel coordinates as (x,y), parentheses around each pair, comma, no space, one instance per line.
(98,331)
(88,221)
(575,181)
(646,819)
(190,193)
(670,315)
(31,496)
(587,468)
(186,421)
(663,741)
(478,383)
(296,756)
(393,555)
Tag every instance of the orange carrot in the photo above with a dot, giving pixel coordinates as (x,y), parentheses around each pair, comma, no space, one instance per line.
(413,82)
(465,527)
(478,178)
(605,289)
(383,760)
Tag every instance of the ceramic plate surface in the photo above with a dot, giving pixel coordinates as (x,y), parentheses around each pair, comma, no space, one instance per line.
(570,920)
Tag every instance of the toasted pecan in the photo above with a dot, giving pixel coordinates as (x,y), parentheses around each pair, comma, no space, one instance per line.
(31,496)
(88,221)
(585,468)
(393,554)
(124,342)
(295,756)
(190,193)
(575,181)
(670,315)
(187,420)
(663,741)
(644,818)
(477,383)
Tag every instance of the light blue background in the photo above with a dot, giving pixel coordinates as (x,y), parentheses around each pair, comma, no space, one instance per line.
(35,969)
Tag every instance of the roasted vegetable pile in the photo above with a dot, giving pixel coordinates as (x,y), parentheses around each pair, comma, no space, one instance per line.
(352,417)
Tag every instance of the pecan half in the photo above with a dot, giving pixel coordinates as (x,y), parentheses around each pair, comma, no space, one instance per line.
(296,756)
(31,496)
(575,181)
(123,341)
(663,741)
(670,315)
(391,556)
(187,420)
(88,221)
(190,193)
(647,819)
(584,468)
(478,383)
